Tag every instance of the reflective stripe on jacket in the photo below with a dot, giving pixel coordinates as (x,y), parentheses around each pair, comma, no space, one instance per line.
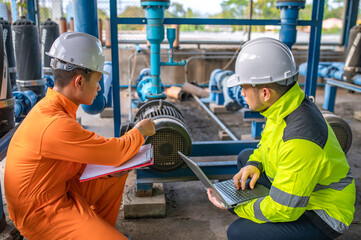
(300,154)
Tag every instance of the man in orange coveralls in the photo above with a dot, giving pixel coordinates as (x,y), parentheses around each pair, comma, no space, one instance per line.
(49,151)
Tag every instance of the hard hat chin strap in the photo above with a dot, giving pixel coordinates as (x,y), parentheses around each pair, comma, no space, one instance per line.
(57,64)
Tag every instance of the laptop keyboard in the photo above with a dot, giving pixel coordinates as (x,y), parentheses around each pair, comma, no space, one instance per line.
(228,188)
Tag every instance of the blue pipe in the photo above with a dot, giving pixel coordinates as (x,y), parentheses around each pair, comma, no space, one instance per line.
(289,18)
(86,20)
(24,102)
(14,10)
(357,79)
(155,35)
(326,70)
(30,7)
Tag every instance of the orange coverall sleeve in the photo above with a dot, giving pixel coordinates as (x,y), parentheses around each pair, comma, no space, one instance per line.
(65,139)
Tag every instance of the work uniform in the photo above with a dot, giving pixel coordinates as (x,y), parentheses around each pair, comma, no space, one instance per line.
(45,159)
(303,160)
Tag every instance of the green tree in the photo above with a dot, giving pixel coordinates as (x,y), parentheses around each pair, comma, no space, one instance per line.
(234,8)
(176,10)
(265,9)
(131,12)
(189,13)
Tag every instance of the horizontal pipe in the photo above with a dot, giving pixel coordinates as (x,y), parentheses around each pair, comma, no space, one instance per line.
(208,21)
(219,122)
(212,42)
(200,85)
(213,170)
(345,85)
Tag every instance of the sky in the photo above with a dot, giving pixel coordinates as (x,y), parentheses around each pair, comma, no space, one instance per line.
(209,6)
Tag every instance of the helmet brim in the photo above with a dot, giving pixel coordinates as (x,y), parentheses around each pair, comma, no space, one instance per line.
(233,81)
(103,72)
(106,73)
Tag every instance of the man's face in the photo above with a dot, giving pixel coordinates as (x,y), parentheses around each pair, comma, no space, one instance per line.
(91,88)
(254,98)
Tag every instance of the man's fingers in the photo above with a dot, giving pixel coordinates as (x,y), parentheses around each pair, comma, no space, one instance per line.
(243,180)
(214,200)
(236,179)
(253,181)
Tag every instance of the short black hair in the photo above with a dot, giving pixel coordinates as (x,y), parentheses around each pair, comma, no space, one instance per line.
(62,78)
(278,88)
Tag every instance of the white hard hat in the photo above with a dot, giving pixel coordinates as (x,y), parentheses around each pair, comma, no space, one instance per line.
(77,50)
(262,61)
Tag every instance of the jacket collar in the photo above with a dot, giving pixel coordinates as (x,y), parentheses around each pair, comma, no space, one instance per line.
(69,106)
(286,104)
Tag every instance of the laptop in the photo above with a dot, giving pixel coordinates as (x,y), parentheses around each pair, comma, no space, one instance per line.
(225,191)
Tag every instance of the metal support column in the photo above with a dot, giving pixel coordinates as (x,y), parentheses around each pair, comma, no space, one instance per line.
(314,48)
(115,66)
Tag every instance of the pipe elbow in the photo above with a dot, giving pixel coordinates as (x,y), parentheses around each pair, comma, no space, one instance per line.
(98,105)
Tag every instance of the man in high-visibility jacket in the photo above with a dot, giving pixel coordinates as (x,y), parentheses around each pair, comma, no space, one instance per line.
(312,192)
(50,149)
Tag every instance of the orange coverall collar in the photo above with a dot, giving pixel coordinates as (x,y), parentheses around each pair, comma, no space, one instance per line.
(69,106)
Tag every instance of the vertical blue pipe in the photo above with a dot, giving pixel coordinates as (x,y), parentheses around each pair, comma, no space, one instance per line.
(14,10)
(155,35)
(86,17)
(330,97)
(30,7)
(115,66)
(155,69)
(289,19)
(314,48)
(86,20)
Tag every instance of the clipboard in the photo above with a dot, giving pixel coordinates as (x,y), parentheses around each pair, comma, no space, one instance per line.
(144,157)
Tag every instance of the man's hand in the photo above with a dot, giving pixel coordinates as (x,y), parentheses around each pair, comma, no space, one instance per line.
(245,172)
(214,200)
(146,127)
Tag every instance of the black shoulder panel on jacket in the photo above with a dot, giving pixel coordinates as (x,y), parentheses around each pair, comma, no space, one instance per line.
(306,122)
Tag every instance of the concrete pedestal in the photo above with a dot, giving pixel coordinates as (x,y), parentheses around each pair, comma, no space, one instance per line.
(141,207)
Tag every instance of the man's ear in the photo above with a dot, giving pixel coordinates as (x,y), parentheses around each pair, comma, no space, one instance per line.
(78,81)
(266,93)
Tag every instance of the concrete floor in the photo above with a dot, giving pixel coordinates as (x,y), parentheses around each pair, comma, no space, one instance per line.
(189,214)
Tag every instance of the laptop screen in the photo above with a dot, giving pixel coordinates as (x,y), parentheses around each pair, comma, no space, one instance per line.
(200,174)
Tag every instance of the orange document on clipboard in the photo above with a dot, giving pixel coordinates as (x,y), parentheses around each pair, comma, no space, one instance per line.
(143,158)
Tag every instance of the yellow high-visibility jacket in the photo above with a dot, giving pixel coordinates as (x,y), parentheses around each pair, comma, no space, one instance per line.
(306,165)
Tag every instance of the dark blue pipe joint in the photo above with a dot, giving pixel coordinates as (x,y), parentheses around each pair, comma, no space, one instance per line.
(220,94)
(289,18)
(24,102)
(144,84)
